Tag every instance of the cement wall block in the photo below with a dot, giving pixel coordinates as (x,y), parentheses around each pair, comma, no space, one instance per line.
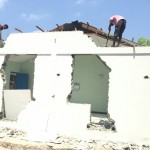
(70,117)
(54,117)
(55,79)
(34,118)
(15,101)
(129,93)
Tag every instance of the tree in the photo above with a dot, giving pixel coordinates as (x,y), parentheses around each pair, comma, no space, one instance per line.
(143,41)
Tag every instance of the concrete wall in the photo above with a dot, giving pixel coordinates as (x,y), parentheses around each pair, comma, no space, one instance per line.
(92,77)
(129,95)
(129,77)
(129,86)
(15,102)
(53,117)
(52,79)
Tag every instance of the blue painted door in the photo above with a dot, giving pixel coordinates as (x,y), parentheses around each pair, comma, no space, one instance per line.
(22,81)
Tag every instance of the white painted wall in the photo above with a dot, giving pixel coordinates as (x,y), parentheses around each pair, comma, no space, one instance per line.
(54,117)
(15,102)
(129,93)
(128,90)
(52,79)
(92,75)
(47,42)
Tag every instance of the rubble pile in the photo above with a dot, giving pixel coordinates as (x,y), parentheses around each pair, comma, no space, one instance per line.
(8,132)
(69,143)
(103,125)
(12,138)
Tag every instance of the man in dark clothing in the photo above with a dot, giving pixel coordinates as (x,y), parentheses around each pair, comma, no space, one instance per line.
(2,27)
(5,26)
(120,25)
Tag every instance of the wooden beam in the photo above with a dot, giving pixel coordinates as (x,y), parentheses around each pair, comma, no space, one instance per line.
(18,30)
(40,28)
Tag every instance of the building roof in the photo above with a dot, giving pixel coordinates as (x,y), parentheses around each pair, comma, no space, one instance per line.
(97,35)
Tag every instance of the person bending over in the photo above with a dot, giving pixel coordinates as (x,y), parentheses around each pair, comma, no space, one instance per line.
(120,24)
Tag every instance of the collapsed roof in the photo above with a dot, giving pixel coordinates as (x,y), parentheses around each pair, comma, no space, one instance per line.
(96,35)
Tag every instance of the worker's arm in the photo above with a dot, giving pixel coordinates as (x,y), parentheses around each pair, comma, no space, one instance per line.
(1,27)
(110,24)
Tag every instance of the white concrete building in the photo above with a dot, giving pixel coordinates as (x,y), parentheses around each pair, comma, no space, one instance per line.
(61,68)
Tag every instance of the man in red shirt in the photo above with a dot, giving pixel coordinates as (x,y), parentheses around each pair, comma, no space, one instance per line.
(120,25)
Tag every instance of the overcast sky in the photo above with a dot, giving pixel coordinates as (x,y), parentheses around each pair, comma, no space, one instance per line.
(26,14)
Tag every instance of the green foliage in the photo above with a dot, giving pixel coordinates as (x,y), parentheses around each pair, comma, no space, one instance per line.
(143,41)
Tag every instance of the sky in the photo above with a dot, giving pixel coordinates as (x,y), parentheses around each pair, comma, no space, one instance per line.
(27,14)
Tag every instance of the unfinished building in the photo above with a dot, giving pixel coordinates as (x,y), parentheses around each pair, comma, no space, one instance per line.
(69,68)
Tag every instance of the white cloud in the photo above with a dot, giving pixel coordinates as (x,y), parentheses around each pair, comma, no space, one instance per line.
(87,1)
(2,3)
(79,1)
(29,17)
(34,17)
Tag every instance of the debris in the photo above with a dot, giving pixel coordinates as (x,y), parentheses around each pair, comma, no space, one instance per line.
(16,139)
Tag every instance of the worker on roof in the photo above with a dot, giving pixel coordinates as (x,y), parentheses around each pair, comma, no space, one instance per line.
(2,27)
(120,25)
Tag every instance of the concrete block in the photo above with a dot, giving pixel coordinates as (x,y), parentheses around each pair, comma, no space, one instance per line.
(70,117)
(15,101)
(34,118)
(54,117)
